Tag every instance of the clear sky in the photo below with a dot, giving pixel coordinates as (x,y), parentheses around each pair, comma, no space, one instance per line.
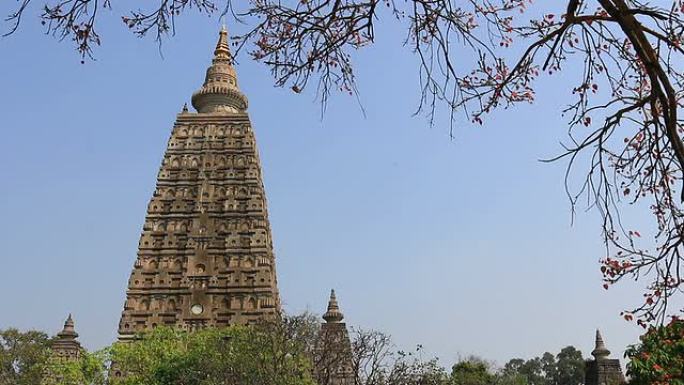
(464,246)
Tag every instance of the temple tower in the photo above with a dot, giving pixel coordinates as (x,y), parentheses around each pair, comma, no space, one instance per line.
(333,359)
(602,370)
(65,347)
(205,256)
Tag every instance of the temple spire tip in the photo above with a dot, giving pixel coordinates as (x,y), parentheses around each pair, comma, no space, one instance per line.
(220,91)
(600,351)
(333,314)
(222,50)
(69,330)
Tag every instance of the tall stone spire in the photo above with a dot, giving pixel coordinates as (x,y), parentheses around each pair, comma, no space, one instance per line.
(220,91)
(205,256)
(600,351)
(602,370)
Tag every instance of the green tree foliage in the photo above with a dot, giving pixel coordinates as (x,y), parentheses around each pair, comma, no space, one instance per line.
(283,352)
(406,369)
(472,371)
(531,370)
(565,368)
(25,359)
(260,355)
(659,358)
(89,369)
(22,356)
(569,367)
(476,371)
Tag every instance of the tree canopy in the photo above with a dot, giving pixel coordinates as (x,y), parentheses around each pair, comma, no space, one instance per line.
(283,352)
(471,372)
(565,368)
(88,369)
(280,352)
(22,356)
(211,356)
(26,359)
(659,358)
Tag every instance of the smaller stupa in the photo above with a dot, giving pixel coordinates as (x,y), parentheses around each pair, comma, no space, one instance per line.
(602,370)
(333,350)
(65,346)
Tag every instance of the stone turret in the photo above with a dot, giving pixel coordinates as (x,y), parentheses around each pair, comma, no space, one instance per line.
(334,351)
(65,346)
(602,370)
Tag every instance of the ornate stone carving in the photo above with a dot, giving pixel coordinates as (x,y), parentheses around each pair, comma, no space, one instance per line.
(205,256)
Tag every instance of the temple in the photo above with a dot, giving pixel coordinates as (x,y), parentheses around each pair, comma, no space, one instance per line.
(602,370)
(334,355)
(205,256)
(65,347)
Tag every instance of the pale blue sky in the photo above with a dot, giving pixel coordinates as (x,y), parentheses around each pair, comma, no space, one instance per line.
(464,246)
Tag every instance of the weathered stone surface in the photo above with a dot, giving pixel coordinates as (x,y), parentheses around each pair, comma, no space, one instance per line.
(205,256)
(66,346)
(603,370)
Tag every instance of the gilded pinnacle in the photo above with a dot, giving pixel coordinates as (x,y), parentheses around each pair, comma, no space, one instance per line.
(222,48)
(220,92)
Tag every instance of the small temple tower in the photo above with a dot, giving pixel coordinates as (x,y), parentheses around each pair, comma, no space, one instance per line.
(65,347)
(205,257)
(602,370)
(333,361)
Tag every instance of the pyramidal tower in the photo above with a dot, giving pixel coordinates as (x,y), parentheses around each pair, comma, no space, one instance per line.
(205,256)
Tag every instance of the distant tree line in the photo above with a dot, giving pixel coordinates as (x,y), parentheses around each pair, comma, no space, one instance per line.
(564,368)
(284,353)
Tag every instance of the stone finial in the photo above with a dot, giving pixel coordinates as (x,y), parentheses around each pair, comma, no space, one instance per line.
(333,314)
(600,352)
(222,48)
(69,331)
(220,91)
(185,108)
